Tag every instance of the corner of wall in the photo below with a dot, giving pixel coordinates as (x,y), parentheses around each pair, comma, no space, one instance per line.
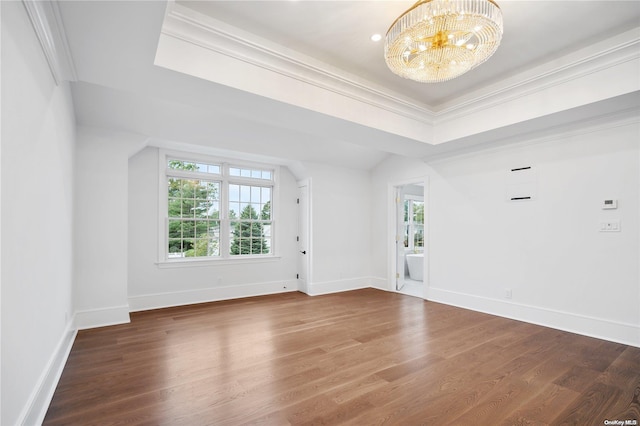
(379,283)
(93,318)
(338,286)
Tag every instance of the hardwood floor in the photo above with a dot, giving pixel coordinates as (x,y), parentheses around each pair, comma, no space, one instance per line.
(364,357)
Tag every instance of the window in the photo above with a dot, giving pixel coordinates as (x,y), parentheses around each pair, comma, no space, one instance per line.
(250,219)
(216,210)
(414,224)
(194,218)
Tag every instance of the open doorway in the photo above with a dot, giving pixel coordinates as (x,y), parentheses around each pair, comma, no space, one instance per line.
(410,262)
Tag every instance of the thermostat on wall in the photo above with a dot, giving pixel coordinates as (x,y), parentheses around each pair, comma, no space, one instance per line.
(609,204)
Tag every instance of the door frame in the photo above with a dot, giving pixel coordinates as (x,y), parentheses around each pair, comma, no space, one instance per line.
(392,227)
(307,258)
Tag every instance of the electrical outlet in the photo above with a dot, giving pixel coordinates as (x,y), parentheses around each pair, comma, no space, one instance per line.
(507,293)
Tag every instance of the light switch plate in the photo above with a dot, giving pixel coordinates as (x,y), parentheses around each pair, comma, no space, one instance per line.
(610,226)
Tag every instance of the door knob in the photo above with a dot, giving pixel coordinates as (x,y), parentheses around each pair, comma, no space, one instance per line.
(304,252)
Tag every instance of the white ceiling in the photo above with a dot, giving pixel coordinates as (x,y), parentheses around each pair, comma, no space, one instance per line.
(338,33)
(113,46)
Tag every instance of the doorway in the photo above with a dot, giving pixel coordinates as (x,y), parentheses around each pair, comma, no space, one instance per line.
(409,244)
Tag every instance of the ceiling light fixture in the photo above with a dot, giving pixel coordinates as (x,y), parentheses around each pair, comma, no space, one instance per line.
(437,40)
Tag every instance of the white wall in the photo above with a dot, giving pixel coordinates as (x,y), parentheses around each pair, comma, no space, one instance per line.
(562,271)
(340,251)
(37,222)
(101,185)
(152,286)
(340,228)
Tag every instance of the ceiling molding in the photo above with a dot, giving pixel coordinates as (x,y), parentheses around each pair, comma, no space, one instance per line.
(47,24)
(204,31)
(610,53)
(620,118)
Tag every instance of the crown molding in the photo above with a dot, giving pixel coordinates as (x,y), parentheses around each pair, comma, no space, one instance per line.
(627,115)
(206,32)
(609,53)
(49,28)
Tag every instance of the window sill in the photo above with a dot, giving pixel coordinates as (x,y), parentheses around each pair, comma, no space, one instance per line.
(192,263)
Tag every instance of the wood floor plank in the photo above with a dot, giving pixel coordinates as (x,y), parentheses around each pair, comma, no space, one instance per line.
(624,372)
(543,407)
(595,405)
(577,378)
(364,357)
(473,390)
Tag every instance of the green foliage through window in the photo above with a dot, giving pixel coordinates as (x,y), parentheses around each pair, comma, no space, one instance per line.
(193,166)
(250,215)
(413,224)
(194,218)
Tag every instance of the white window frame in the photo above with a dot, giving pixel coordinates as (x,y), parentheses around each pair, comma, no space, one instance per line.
(225,179)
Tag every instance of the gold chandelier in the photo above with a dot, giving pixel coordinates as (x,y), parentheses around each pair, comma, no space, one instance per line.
(437,40)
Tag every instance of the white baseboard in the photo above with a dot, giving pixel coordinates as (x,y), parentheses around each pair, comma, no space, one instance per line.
(328,287)
(38,403)
(94,318)
(628,334)
(379,283)
(189,297)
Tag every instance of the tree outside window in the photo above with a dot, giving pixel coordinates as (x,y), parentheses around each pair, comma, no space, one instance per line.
(194,215)
(413,224)
(250,219)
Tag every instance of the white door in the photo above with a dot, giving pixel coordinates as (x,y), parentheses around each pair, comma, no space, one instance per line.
(303,237)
